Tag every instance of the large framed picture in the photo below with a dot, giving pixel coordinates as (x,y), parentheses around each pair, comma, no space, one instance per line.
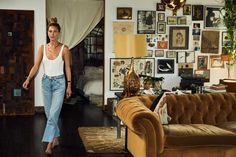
(178,38)
(120,66)
(146,22)
(210,41)
(124,13)
(214,17)
(165,66)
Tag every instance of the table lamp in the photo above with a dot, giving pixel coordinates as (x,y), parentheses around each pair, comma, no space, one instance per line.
(130,46)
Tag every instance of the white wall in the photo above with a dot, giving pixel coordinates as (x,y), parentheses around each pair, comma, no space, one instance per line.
(39,8)
(171,80)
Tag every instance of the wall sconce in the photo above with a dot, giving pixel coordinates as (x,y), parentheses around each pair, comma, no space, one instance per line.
(130,46)
(174,5)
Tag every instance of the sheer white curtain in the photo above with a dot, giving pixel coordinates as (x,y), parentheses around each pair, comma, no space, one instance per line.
(76,18)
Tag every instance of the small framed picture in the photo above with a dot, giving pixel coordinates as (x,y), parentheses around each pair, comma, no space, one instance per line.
(165,66)
(182,20)
(203,73)
(149,53)
(202,62)
(161,27)
(187,9)
(190,57)
(216,61)
(159,53)
(225,39)
(181,57)
(124,13)
(171,20)
(161,16)
(197,12)
(170,54)
(160,7)
(185,69)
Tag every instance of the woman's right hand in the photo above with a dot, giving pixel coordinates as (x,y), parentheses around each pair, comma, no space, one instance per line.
(26,84)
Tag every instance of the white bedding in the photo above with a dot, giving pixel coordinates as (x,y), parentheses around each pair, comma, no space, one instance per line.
(91,83)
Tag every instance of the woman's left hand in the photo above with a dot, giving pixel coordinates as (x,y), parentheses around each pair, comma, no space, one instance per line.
(68,92)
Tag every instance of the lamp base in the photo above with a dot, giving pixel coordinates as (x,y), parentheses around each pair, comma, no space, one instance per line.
(131,82)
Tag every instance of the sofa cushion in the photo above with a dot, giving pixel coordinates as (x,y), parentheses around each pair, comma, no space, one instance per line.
(185,135)
(231,126)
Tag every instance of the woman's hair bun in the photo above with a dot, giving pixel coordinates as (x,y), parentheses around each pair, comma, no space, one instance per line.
(53,20)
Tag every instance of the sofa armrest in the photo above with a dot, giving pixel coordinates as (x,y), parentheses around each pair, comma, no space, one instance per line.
(142,121)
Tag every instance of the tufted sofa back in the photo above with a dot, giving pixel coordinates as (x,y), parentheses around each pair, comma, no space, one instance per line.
(210,109)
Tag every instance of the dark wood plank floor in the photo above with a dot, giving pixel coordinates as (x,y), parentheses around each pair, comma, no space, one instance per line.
(21,136)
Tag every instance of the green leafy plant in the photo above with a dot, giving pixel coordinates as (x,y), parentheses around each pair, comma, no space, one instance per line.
(229,18)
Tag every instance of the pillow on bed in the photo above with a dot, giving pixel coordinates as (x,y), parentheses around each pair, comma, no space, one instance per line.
(92,71)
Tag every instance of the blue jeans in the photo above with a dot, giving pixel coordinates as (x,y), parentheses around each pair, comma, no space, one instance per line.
(53,90)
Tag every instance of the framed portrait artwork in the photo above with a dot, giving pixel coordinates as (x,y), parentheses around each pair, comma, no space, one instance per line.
(216,61)
(159,53)
(171,20)
(161,16)
(124,13)
(210,41)
(187,9)
(202,62)
(120,66)
(161,27)
(146,20)
(214,17)
(197,12)
(178,38)
(170,54)
(165,66)
(203,73)
(160,7)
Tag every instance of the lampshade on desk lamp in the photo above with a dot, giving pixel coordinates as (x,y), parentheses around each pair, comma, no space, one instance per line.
(130,46)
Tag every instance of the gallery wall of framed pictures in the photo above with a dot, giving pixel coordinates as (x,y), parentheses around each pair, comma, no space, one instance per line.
(192,41)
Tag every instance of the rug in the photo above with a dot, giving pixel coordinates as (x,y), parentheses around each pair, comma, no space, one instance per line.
(102,139)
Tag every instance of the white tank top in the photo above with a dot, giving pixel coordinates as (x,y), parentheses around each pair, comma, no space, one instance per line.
(53,67)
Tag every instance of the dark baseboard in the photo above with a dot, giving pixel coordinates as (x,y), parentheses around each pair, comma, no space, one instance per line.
(39,109)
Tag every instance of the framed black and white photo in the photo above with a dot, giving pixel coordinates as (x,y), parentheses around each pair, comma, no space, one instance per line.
(161,16)
(187,9)
(190,57)
(214,17)
(170,54)
(171,20)
(146,22)
(160,7)
(159,53)
(225,39)
(165,66)
(161,27)
(124,13)
(120,66)
(181,57)
(197,12)
(182,20)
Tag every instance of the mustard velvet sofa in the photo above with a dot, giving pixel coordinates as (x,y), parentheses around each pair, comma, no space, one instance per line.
(201,125)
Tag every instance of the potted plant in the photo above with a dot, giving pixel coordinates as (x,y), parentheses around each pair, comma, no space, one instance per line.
(229,48)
